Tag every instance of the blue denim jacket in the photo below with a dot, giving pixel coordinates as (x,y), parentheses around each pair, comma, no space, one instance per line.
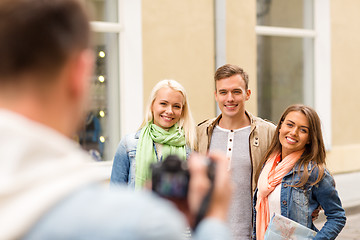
(123,170)
(299,203)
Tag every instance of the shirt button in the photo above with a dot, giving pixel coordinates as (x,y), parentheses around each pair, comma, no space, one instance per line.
(230,140)
(229,149)
(285,185)
(284,202)
(231,130)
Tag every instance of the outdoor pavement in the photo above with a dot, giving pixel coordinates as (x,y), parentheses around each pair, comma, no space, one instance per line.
(348,187)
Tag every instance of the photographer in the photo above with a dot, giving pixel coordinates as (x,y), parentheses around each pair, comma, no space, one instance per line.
(48,186)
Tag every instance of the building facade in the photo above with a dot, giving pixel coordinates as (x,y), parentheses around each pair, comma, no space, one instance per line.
(295,51)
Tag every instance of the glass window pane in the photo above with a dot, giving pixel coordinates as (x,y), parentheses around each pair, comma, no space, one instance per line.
(285,74)
(285,13)
(102,10)
(98,134)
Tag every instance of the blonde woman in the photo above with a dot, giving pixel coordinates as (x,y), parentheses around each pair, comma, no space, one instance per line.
(168,128)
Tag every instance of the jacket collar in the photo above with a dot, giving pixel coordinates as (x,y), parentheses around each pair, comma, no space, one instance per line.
(216,121)
(301,169)
(213,123)
(252,121)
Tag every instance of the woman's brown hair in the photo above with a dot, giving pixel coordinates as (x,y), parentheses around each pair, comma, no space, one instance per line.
(314,150)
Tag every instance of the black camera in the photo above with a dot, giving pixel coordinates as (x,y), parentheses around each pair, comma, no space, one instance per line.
(170,178)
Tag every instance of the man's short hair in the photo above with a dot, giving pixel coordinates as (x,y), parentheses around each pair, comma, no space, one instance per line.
(38,36)
(229,70)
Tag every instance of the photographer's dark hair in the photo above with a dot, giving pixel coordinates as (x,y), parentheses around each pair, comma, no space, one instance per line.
(37,37)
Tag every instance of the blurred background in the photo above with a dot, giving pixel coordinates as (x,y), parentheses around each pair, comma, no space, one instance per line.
(295,51)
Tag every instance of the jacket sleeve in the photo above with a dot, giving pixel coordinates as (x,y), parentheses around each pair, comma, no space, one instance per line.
(328,197)
(212,229)
(121,164)
(202,137)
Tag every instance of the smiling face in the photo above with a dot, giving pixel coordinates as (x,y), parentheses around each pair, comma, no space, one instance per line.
(167,107)
(231,94)
(294,133)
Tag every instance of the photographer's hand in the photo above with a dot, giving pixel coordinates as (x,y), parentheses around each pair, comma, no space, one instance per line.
(221,197)
(200,184)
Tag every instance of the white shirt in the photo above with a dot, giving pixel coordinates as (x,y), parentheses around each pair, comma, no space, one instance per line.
(38,166)
(274,201)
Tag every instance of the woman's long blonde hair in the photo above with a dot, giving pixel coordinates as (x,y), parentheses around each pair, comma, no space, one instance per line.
(186,121)
(314,150)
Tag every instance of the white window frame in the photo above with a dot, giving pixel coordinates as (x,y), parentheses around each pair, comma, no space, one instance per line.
(126,101)
(321,60)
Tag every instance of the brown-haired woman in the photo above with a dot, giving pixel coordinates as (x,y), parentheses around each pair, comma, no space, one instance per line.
(293,180)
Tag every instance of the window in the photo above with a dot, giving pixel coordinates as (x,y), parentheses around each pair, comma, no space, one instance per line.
(293,52)
(118,53)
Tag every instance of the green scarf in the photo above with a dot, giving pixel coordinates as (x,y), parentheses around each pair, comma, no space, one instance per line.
(173,142)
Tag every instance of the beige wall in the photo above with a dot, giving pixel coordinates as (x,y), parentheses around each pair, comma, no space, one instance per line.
(241,42)
(345,61)
(178,43)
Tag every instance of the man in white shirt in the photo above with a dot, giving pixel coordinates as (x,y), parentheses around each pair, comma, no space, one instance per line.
(48,184)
